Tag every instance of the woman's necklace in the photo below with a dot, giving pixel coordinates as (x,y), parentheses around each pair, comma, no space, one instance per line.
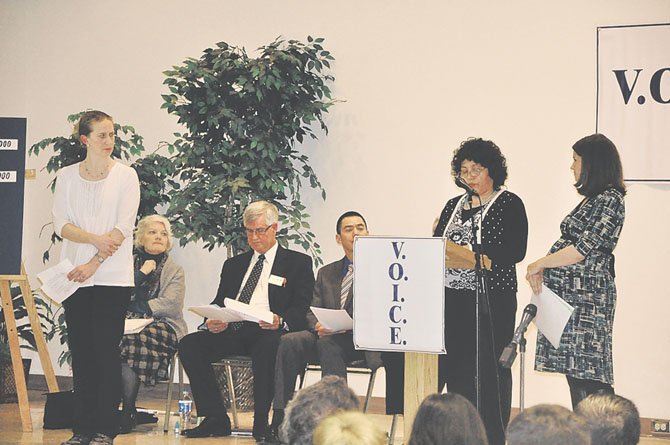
(482,202)
(95,176)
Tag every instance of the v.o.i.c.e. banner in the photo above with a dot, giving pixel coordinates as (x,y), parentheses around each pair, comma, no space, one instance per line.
(634,97)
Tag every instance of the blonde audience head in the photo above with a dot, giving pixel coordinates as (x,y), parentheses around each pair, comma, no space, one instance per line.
(348,428)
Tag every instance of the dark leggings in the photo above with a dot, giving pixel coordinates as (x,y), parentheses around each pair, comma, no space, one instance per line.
(582,388)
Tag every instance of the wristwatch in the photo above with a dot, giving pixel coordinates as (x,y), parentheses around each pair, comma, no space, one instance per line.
(100,259)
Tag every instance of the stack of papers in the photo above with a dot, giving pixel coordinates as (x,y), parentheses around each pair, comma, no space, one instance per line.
(233,311)
(552,316)
(337,320)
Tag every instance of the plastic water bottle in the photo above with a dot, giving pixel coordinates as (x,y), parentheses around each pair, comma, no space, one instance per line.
(185,410)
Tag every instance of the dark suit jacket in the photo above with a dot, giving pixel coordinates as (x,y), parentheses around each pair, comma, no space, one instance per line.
(327,295)
(290,301)
(327,291)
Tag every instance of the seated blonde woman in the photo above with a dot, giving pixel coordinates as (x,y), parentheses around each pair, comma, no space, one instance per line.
(159,294)
(348,428)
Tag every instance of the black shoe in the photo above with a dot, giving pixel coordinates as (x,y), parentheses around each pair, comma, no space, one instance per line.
(261,429)
(272,438)
(128,422)
(210,427)
(78,439)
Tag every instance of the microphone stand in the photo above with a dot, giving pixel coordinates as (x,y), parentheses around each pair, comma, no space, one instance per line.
(522,371)
(481,290)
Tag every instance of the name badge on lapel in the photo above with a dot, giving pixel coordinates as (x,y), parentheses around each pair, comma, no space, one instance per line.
(277,281)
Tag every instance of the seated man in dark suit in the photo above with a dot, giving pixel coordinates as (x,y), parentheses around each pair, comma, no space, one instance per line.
(269,277)
(333,290)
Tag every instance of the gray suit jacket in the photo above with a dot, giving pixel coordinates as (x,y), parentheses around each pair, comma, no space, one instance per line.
(327,291)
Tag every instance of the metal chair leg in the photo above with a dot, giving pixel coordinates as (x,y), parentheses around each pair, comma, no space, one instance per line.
(368,394)
(393,427)
(168,404)
(231,392)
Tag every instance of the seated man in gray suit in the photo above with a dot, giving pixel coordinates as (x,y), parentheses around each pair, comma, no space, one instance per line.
(332,350)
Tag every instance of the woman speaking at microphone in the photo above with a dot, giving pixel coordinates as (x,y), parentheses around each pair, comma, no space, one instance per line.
(500,217)
(580,269)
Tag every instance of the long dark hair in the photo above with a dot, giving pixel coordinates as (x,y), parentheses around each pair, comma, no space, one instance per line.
(447,418)
(601,166)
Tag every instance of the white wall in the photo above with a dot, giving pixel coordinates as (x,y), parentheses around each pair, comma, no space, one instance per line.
(417,78)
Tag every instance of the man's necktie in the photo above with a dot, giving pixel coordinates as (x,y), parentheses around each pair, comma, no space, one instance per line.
(347,281)
(248,289)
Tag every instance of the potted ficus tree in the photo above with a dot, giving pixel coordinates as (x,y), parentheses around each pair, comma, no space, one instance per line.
(245,120)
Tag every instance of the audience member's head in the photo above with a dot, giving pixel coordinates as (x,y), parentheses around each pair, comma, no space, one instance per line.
(548,425)
(447,419)
(348,428)
(614,420)
(312,404)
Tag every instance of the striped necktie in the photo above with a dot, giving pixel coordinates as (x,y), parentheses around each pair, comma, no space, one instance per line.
(248,289)
(347,281)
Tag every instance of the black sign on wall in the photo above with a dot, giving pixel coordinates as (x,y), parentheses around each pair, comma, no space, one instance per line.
(12,181)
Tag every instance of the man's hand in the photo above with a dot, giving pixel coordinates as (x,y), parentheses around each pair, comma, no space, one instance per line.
(216,326)
(276,323)
(321,331)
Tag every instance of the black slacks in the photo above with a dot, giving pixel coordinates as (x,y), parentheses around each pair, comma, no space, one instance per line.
(457,367)
(197,352)
(95,317)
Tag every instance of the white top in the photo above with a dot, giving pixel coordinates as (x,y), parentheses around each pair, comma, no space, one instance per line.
(99,207)
(260,297)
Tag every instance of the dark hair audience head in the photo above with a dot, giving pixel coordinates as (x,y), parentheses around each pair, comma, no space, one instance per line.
(485,153)
(447,419)
(601,166)
(83,127)
(548,425)
(331,394)
(614,420)
(338,226)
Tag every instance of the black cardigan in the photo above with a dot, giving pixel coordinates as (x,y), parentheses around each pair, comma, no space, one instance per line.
(504,237)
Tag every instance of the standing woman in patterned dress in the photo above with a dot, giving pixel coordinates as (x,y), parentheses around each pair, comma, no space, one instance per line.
(580,269)
(95,206)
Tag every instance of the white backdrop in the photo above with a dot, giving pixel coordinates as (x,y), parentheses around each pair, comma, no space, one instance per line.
(634,97)
(417,78)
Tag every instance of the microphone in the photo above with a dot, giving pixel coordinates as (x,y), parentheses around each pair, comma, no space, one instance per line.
(509,353)
(464,185)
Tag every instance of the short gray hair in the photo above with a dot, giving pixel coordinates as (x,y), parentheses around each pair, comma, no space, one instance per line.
(614,420)
(141,229)
(314,403)
(261,208)
(548,425)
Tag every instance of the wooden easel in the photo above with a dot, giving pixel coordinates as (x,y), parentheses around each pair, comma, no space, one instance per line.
(12,334)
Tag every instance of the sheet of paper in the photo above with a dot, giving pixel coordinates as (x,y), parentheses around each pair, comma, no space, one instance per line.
(214,312)
(55,283)
(248,312)
(135,325)
(334,319)
(553,314)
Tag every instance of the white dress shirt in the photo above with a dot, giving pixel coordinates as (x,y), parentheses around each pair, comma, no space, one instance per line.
(260,297)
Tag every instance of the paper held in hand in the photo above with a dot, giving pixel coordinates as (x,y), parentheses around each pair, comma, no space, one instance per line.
(336,320)
(552,316)
(55,283)
(135,325)
(234,311)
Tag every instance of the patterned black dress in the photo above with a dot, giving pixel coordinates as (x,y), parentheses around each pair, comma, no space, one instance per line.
(585,350)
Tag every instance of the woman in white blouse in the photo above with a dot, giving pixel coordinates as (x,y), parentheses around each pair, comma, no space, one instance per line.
(94,211)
